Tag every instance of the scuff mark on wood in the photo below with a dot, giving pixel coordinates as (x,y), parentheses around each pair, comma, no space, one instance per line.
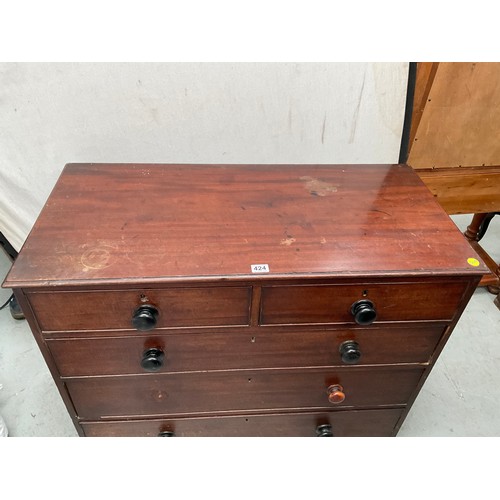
(287,241)
(381,211)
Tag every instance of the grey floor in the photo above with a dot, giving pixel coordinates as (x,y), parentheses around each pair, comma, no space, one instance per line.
(461,397)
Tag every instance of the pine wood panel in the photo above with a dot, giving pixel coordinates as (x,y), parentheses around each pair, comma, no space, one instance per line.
(460,124)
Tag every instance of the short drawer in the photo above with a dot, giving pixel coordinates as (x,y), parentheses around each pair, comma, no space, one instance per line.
(111,310)
(214,392)
(313,304)
(243,350)
(362,423)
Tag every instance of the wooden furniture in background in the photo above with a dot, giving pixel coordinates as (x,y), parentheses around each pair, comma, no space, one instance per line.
(454,143)
(258,300)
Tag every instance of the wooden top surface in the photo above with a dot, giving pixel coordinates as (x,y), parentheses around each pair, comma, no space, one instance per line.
(104,223)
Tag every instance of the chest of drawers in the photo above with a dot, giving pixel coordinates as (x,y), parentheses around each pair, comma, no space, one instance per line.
(253,300)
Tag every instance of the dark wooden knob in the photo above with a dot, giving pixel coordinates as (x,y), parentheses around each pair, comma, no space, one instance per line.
(335,394)
(152,359)
(364,312)
(324,430)
(145,318)
(349,352)
(166,434)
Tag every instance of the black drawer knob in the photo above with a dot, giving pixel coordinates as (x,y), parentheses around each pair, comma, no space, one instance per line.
(349,352)
(166,434)
(152,359)
(324,430)
(145,318)
(364,312)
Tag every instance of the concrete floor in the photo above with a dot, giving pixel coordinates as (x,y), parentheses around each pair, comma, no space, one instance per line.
(461,397)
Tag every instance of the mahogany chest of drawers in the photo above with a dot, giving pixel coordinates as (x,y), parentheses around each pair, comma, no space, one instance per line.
(252,300)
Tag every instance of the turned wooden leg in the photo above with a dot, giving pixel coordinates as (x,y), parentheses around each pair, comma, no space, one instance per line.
(493,289)
(474,232)
(497,301)
(473,228)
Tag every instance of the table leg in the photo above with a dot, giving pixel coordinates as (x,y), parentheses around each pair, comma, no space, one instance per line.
(472,230)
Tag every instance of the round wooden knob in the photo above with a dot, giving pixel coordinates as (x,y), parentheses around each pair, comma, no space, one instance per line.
(152,359)
(349,352)
(144,318)
(324,430)
(335,394)
(364,312)
(166,434)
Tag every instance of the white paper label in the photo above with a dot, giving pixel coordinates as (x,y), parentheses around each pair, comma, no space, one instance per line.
(260,268)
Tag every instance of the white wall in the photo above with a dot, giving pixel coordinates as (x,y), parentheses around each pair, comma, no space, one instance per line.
(53,114)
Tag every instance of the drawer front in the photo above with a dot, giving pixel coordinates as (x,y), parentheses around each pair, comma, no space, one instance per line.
(315,304)
(110,310)
(233,391)
(363,423)
(243,350)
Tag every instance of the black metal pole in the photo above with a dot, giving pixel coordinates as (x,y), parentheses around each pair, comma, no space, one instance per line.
(410,93)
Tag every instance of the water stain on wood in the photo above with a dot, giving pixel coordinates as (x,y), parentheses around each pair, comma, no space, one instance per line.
(96,258)
(287,241)
(318,187)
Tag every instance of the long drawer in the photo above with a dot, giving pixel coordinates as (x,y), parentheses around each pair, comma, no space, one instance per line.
(113,310)
(170,353)
(313,304)
(377,423)
(215,392)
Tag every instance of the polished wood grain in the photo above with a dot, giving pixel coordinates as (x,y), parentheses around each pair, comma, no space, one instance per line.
(365,423)
(241,353)
(108,310)
(224,391)
(168,223)
(332,304)
(243,350)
